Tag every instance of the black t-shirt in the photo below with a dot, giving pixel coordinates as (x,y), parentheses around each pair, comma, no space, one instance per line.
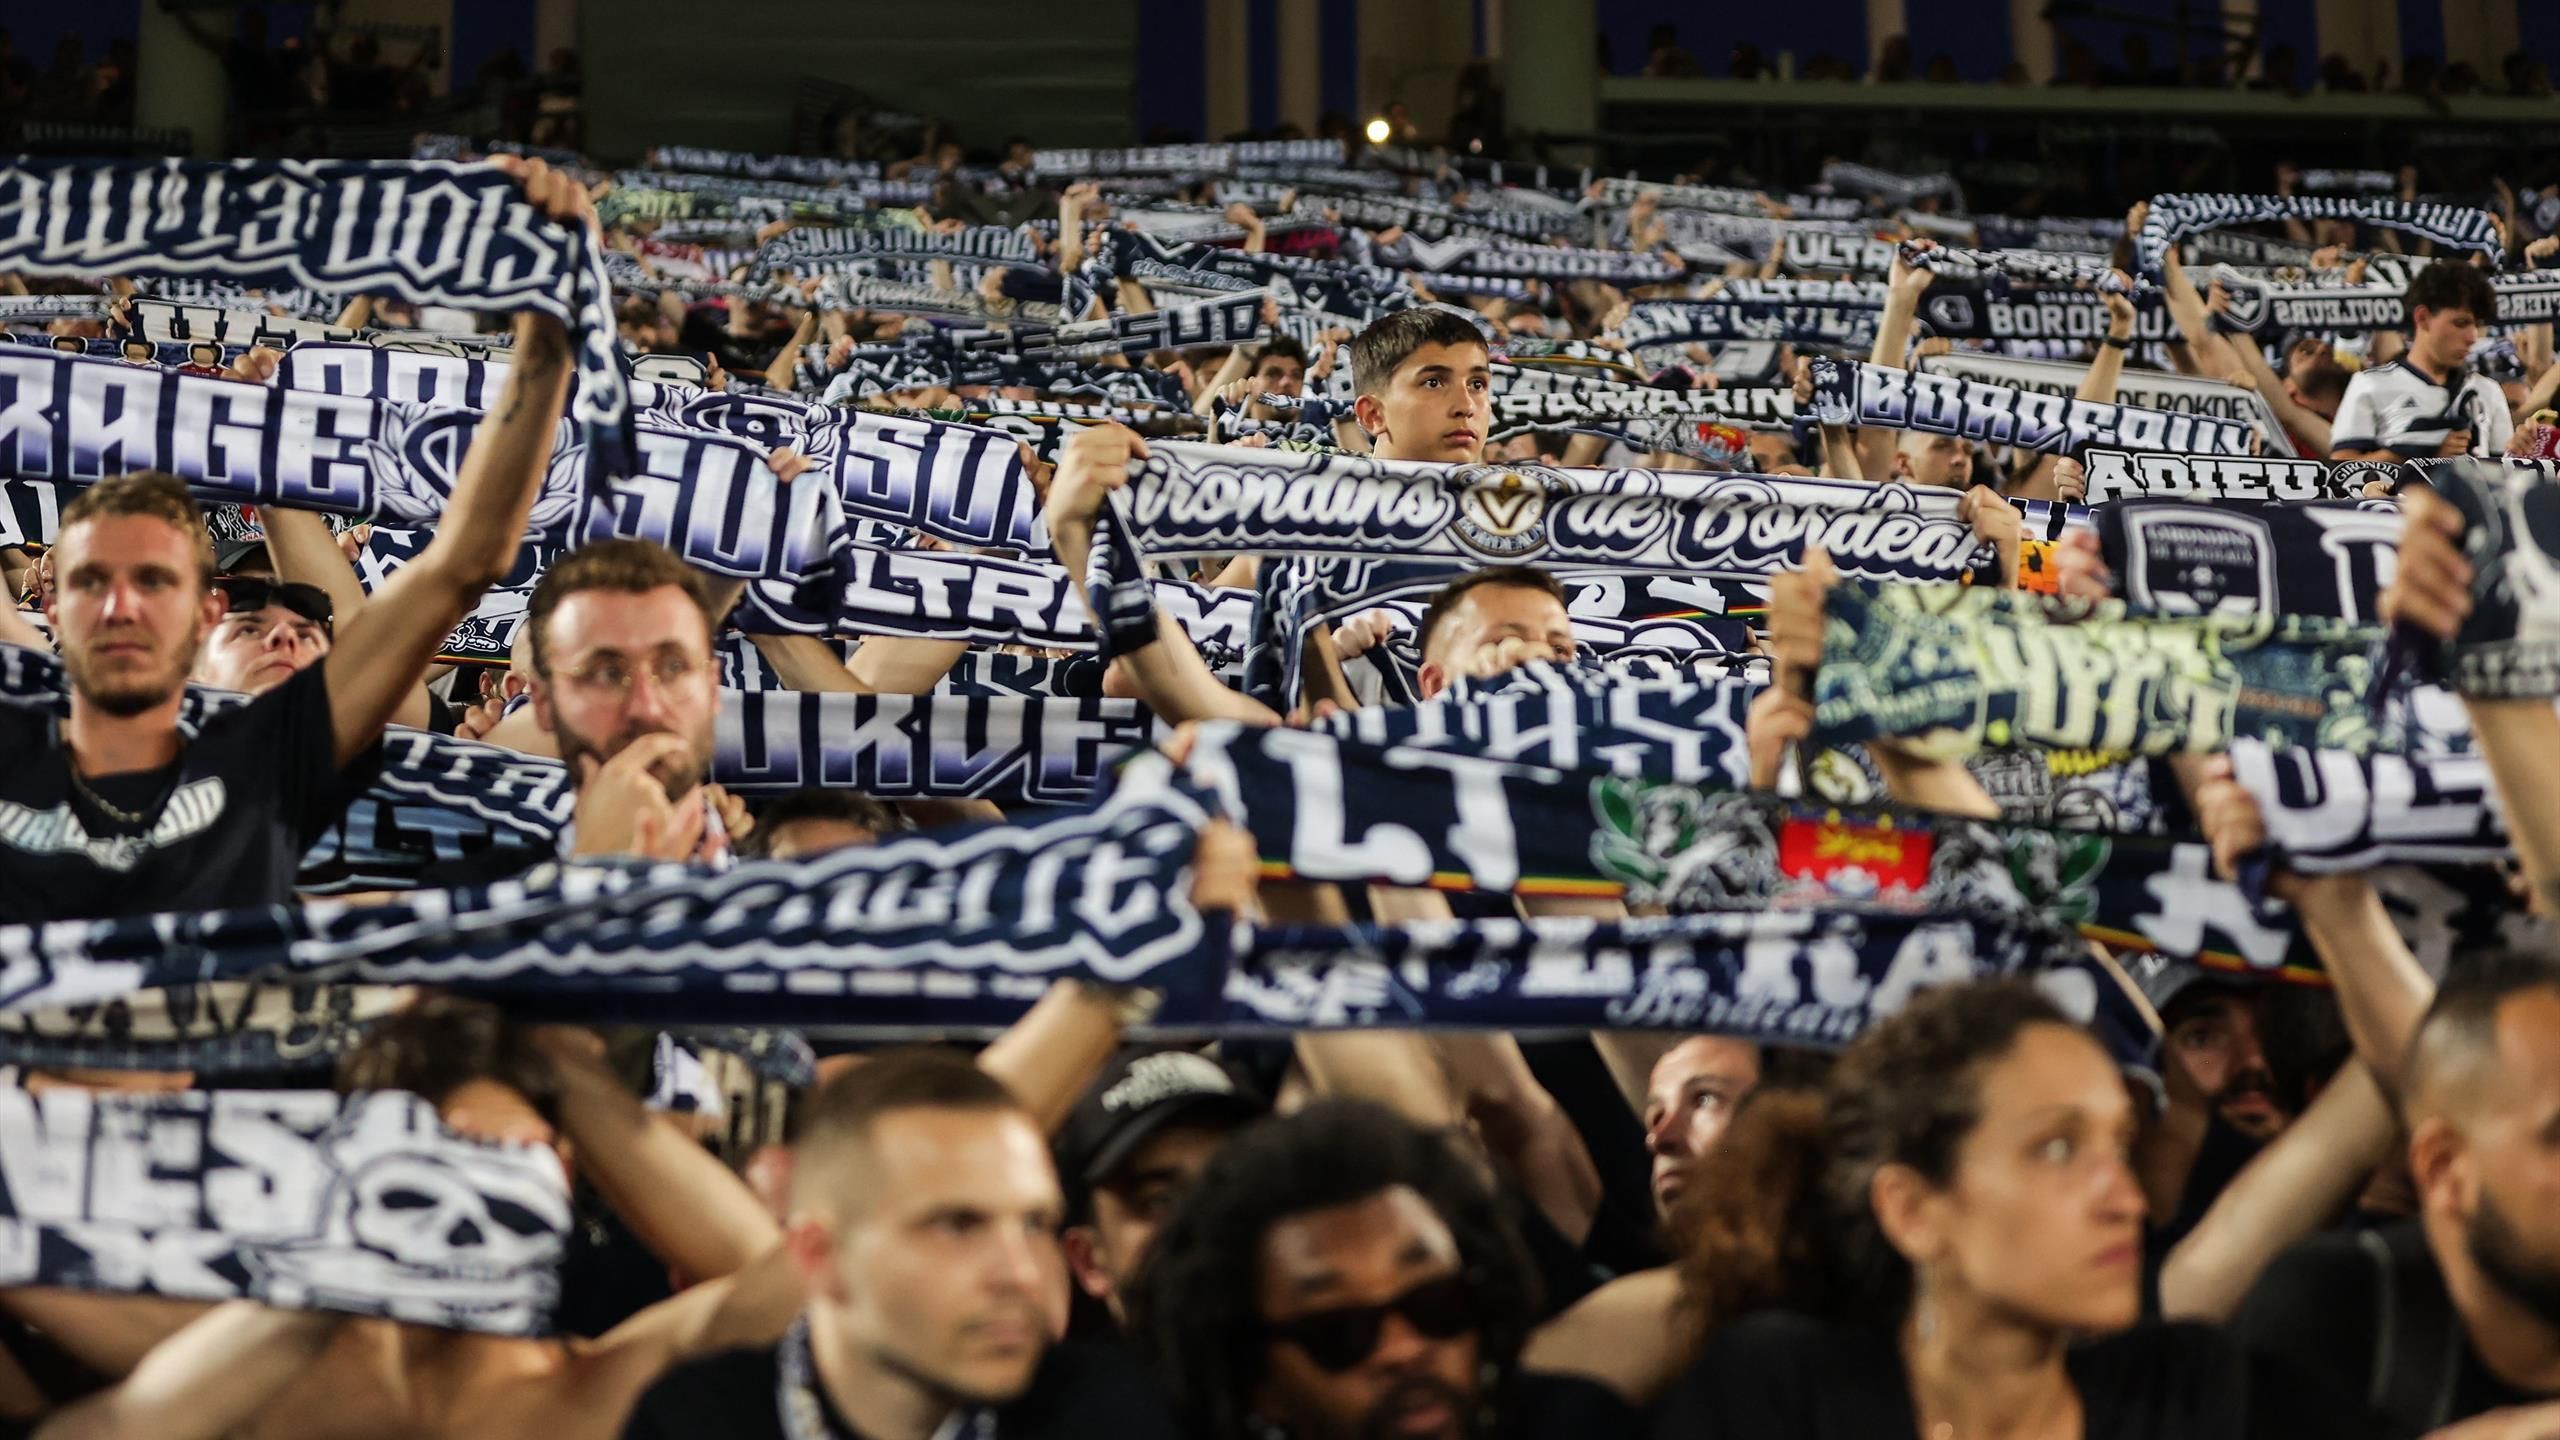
(1777,1373)
(2326,1308)
(224,825)
(1083,1389)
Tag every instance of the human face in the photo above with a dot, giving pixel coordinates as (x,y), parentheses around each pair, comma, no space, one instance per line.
(625,665)
(131,609)
(1368,1252)
(1279,375)
(2511,1225)
(1689,1102)
(2212,1044)
(2042,1221)
(2442,339)
(1435,408)
(1131,1206)
(1939,460)
(1469,639)
(254,651)
(946,1270)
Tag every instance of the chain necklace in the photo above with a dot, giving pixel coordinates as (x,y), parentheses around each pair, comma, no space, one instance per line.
(109,808)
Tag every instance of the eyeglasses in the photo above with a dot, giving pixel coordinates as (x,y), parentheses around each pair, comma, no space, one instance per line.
(1336,1340)
(251,593)
(616,677)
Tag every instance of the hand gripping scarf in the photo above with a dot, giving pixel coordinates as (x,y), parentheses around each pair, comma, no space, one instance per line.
(1951,670)
(434,232)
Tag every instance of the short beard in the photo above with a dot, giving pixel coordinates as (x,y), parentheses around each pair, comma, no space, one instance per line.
(1380,1422)
(139,697)
(678,783)
(2528,1279)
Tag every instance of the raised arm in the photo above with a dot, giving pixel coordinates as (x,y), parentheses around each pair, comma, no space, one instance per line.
(203,1382)
(677,1197)
(379,656)
(1168,673)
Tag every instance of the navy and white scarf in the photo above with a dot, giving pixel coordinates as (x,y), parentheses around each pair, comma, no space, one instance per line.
(1861,394)
(838,249)
(429,231)
(1228,321)
(2509,646)
(967,928)
(811,169)
(1050,750)
(2136,475)
(2174,217)
(301,1200)
(2329,810)
(2241,557)
(1758,313)
(2150,389)
(1960,308)
(2258,308)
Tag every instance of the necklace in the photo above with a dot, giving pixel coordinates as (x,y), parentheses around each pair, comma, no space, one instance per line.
(112,810)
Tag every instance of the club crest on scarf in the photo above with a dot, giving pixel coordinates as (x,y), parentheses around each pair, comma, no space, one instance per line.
(1502,513)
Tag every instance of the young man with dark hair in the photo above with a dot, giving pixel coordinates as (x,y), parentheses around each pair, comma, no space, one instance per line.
(2428,402)
(1425,381)
(2456,1313)
(815,820)
(115,810)
(924,1228)
(1137,1141)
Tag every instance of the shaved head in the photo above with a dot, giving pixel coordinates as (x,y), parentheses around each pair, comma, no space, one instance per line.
(836,1169)
(2454,1068)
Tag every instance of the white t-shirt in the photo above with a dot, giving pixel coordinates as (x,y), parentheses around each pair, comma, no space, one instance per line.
(2393,407)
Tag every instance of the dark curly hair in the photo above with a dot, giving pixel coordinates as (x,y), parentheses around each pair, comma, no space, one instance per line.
(1194,1311)
(1782,1218)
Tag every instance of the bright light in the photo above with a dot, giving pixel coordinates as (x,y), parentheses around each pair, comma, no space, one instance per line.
(1379,130)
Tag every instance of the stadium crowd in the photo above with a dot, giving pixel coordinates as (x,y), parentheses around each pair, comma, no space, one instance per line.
(1274,790)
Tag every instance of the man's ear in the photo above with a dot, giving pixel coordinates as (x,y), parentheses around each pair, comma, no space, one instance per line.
(1371,412)
(1084,1260)
(540,690)
(2439,1165)
(214,606)
(813,1254)
(1431,679)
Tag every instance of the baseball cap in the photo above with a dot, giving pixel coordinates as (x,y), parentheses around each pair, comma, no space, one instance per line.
(1140,1095)
(229,555)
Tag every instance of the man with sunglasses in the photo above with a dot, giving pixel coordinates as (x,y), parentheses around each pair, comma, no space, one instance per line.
(270,630)
(116,808)
(1343,1274)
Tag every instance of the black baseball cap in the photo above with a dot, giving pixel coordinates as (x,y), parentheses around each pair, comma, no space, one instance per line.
(1140,1095)
(230,555)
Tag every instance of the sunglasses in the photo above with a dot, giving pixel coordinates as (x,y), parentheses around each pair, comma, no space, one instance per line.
(1336,1340)
(250,593)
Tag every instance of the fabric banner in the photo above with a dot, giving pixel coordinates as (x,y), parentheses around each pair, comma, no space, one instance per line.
(173,322)
(1231,320)
(303,1200)
(1738,315)
(1186,159)
(214,1031)
(1963,309)
(2174,217)
(811,169)
(1040,751)
(2244,557)
(2132,475)
(2259,308)
(2326,810)
(1949,670)
(2509,646)
(1470,255)
(1756,407)
(967,928)
(1861,394)
(1574,718)
(943,595)
(1201,500)
(429,231)
(2150,389)
(72,420)
(820,250)
(1798,978)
